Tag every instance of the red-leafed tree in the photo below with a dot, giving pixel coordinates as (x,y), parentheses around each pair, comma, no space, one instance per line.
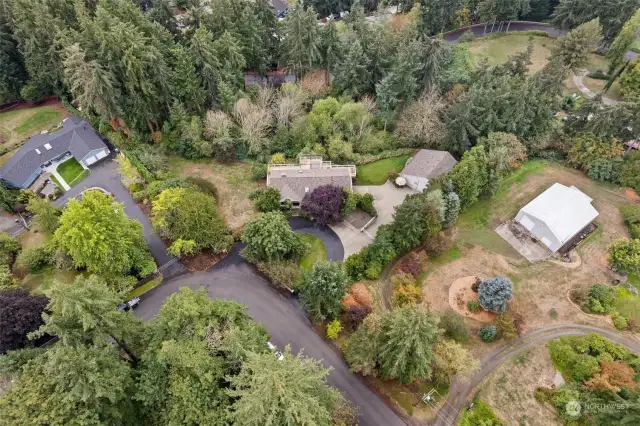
(324,203)
(20,314)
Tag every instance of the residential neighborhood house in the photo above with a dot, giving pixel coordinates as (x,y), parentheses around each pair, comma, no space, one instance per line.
(425,166)
(296,180)
(76,139)
(557,215)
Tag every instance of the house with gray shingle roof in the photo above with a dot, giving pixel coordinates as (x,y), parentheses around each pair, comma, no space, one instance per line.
(426,165)
(76,139)
(294,181)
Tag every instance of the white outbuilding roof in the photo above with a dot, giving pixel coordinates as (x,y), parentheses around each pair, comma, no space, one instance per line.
(564,210)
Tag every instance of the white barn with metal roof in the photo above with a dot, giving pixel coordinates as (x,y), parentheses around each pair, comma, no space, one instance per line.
(557,215)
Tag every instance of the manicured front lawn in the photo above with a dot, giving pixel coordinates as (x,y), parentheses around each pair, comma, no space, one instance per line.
(317,251)
(376,173)
(70,170)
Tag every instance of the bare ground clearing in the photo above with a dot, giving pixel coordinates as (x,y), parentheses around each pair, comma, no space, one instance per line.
(233,182)
(510,389)
(540,288)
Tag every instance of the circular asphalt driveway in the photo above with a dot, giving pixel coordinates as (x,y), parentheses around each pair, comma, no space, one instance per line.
(234,279)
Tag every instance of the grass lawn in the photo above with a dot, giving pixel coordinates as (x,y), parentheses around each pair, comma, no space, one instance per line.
(70,170)
(317,251)
(376,173)
(42,281)
(498,50)
(145,287)
(41,118)
(16,126)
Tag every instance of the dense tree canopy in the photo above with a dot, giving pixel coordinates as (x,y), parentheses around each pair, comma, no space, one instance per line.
(612,14)
(323,289)
(286,392)
(199,361)
(382,345)
(190,219)
(99,236)
(269,237)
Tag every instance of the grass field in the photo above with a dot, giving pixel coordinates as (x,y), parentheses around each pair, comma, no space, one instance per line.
(497,51)
(376,173)
(317,251)
(70,170)
(41,118)
(17,126)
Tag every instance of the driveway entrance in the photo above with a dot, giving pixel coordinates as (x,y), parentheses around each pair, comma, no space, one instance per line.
(385,198)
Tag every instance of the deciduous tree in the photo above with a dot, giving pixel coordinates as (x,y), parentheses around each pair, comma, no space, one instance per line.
(46,215)
(324,204)
(21,314)
(99,236)
(625,255)
(420,123)
(190,215)
(452,359)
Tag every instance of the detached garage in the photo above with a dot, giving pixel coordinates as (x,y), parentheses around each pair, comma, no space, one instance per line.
(557,215)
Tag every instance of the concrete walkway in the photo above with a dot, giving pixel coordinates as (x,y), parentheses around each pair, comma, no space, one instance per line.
(577,80)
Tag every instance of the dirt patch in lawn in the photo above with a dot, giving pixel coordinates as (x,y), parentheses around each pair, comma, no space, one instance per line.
(233,182)
(460,293)
(510,389)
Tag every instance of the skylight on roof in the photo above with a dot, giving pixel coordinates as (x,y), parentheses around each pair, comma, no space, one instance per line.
(38,151)
(47,146)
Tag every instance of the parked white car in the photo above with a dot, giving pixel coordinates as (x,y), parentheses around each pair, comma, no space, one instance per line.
(275,351)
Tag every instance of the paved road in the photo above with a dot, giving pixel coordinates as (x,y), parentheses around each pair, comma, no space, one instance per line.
(234,279)
(460,392)
(105,175)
